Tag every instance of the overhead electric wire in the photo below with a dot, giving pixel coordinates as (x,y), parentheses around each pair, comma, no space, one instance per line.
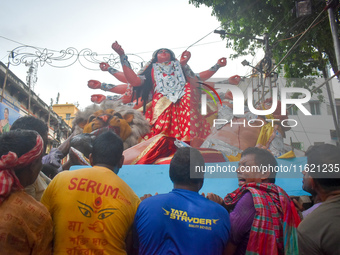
(98,54)
(12,40)
(4,57)
(243,10)
(295,24)
(193,44)
(286,39)
(288,13)
(297,41)
(312,25)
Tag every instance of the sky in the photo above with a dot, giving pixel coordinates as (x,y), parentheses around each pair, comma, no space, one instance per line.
(141,27)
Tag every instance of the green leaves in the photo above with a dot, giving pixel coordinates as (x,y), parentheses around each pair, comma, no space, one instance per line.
(253,18)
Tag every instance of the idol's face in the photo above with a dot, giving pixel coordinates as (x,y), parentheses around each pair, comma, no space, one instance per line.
(163,55)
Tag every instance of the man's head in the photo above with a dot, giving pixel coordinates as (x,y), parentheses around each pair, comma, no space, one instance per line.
(308,184)
(28,148)
(107,151)
(256,165)
(184,161)
(82,143)
(323,167)
(32,123)
(80,149)
(49,170)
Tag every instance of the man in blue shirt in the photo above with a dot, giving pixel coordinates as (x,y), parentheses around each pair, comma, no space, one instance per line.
(182,221)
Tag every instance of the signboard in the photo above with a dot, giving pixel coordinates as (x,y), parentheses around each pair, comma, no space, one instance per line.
(8,114)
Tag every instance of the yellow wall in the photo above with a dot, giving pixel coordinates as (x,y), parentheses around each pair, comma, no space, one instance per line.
(63,109)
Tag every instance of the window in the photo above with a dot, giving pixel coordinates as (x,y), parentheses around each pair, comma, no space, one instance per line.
(292,109)
(68,116)
(315,107)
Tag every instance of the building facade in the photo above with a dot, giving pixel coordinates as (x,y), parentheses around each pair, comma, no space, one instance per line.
(66,111)
(17,100)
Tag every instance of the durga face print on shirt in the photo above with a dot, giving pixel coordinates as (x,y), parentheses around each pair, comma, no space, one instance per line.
(96,212)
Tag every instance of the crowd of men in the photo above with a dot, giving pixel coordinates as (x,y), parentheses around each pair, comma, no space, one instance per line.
(49,208)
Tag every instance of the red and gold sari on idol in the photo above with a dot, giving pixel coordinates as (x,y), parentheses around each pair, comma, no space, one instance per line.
(173,113)
(176,115)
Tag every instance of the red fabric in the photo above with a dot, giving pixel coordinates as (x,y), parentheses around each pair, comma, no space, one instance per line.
(274,227)
(211,155)
(181,120)
(164,147)
(161,153)
(8,180)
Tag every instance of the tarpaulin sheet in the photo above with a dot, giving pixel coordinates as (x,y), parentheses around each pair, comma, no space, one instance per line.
(149,179)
